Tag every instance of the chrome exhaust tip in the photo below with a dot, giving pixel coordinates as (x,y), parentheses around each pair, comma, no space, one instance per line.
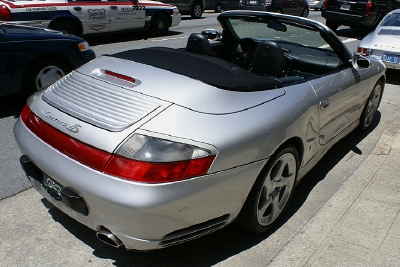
(108,238)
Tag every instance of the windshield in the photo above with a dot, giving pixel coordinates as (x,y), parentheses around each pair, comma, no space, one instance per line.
(391,20)
(281,32)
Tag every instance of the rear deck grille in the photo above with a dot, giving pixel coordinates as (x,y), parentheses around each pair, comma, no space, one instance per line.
(99,103)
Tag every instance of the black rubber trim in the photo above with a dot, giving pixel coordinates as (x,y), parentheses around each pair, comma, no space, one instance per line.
(30,169)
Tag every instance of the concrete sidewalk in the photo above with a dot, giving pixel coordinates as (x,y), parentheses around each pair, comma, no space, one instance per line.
(360,224)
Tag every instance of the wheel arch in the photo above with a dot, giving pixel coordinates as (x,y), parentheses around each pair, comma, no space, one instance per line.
(200,3)
(163,12)
(45,57)
(73,19)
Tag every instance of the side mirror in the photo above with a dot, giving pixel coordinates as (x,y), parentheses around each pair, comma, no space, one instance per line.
(359,61)
(212,34)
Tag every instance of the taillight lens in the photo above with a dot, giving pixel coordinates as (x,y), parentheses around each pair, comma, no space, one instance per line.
(73,148)
(363,51)
(5,13)
(368,8)
(153,160)
(326,4)
(141,158)
(155,172)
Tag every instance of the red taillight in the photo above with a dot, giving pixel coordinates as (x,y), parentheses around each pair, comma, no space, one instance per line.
(326,4)
(362,50)
(5,13)
(119,76)
(112,164)
(75,149)
(157,172)
(369,7)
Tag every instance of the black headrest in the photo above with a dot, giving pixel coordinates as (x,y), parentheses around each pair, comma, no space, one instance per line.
(268,60)
(199,44)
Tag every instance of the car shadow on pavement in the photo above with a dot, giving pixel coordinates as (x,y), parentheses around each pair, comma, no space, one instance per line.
(222,244)
(351,33)
(392,77)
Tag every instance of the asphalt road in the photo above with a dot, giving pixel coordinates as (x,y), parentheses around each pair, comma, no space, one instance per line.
(70,244)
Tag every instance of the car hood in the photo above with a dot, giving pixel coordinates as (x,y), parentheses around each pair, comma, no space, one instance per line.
(175,88)
(15,32)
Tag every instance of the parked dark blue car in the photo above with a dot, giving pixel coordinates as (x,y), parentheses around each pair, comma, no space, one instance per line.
(33,58)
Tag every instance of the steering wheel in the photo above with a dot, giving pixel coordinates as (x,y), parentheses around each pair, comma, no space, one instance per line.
(243,52)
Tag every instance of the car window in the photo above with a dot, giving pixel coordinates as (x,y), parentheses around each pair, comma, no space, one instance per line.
(281,32)
(391,20)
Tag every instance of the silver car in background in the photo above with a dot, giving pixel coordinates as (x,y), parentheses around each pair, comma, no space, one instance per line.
(316,4)
(384,42)
(157,146)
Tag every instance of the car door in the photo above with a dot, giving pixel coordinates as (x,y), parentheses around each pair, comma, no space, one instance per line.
(126,14)
(5,70)
(93,14)
(339,97)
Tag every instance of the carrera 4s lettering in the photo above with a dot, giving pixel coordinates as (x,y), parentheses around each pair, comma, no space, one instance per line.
(72,128)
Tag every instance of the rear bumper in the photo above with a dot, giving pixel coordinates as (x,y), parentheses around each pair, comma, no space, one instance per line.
(142,216)
(347,19)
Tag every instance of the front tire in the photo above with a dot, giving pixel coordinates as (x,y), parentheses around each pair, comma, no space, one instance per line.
(65,25)
(305,12)
(218,8)
(196,11)
(332,25)
(271,193)
(159,25)
(368,114)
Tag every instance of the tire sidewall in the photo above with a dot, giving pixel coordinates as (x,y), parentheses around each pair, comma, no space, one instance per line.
(363,126)
(248,216)
(31,74)
(196,6)
(155,29)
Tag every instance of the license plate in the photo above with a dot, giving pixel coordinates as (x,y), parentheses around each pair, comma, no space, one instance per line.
(53,187)
(391,58)
(345,7)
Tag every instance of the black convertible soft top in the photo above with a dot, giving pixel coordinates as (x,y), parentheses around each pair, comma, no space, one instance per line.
(210,70)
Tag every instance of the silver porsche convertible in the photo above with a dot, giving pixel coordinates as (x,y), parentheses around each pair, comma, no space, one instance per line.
(157,146)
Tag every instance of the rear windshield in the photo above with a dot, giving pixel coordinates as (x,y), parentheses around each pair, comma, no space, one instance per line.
(391,20)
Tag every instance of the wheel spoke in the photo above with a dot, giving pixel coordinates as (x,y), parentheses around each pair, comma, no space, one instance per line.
(277,188)
(372,104)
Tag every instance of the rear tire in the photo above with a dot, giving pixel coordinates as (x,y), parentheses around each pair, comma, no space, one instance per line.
(43,73)
(332,25)
(218,8)
(65,25)
(271,193)
(196,11)
(305,12)
(368,114)
(159,25)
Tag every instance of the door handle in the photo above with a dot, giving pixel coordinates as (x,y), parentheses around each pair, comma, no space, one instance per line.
(113,7)
(77,8)
(324,104)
